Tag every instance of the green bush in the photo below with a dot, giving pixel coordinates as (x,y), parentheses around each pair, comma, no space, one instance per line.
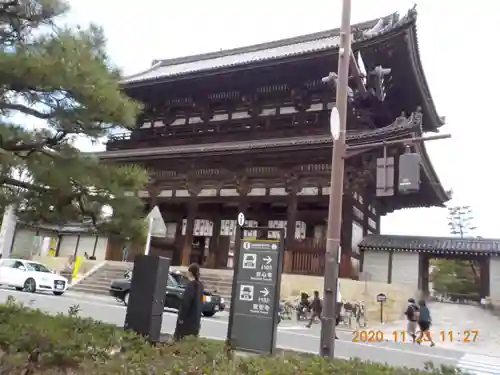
(35,343)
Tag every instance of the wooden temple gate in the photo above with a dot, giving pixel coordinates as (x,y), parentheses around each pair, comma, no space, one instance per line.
(221,138)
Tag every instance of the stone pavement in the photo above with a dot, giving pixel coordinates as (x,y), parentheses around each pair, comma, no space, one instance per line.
(453,328)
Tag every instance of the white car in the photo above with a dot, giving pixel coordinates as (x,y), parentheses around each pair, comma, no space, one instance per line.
(31,277)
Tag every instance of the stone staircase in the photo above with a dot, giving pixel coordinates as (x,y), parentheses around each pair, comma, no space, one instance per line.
(99,281)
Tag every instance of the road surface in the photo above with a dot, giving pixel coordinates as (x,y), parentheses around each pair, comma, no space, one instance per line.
(290,336)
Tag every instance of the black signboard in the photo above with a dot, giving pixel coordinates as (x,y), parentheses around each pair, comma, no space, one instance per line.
(381,297)
(256,292)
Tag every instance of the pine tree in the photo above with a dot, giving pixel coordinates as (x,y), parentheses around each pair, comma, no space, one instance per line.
(63,77)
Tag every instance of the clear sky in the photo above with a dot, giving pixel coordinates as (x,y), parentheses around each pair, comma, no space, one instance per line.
(457,44)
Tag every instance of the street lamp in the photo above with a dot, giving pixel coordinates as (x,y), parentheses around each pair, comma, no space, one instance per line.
(337,127)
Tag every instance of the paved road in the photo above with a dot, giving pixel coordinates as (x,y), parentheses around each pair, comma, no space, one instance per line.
(296,338)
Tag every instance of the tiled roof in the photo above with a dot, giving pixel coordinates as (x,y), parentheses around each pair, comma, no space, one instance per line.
(401,125)
(430,244)
(67,228)
(268,51)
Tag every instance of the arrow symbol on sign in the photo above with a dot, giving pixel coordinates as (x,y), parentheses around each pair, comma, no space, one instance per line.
(264,292)
(268,259)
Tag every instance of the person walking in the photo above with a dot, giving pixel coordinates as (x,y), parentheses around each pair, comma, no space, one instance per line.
(424,323)
(411,316)
(316,308)
(338,309)
(125,252)
(189,314)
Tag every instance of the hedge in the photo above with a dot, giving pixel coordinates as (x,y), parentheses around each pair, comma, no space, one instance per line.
(32,342)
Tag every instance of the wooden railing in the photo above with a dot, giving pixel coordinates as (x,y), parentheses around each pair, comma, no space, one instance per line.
(308,257)
(282,126)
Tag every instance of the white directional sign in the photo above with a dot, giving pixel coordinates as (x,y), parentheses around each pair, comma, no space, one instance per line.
(157,227)
(246,292)
(267,259)
(241,219)
(250,261)
(264,292)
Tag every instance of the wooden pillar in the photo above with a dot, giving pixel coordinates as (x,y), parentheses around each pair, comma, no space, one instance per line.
(242,207)
(484,270)
(423,265)
(292,188)
(366,215)
(213,254)
(243,188)
(188,238)
(346,237)
(377,217)
(179,243)
(290,227)
(389,266)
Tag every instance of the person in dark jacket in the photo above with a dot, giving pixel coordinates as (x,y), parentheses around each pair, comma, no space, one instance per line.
(411,316)
(316,308)
(189,314)
(424,322)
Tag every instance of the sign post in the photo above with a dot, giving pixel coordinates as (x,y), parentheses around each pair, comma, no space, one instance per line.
(255,292)
(381,298)
(156,227)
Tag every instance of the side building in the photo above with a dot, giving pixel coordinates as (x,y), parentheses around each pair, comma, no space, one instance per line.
(247,130)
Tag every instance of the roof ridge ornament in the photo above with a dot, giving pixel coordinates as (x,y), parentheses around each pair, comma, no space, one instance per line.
(332,79)
(387,23)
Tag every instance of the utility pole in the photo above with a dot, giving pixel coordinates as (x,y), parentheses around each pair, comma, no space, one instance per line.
(338,127)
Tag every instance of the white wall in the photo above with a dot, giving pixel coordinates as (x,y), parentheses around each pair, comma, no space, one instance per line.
(495,280)
(405,269)
(357,236)
(102,246)
(376,264)
(67,246)
(24,244)
(85,245)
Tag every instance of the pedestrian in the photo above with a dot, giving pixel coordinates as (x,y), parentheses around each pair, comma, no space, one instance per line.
(316,308)
(411,316)
(125,253)
(338,308)
(483,302)
(424,322)
(189,314)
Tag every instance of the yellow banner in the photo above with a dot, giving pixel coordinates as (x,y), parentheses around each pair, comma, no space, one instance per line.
(76,268)
(53,246)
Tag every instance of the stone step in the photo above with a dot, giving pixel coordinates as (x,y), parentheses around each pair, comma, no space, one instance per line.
(103,282)
(89,289)
(110,275)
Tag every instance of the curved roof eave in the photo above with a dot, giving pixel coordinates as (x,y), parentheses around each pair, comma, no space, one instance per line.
(428,106)
(429,170)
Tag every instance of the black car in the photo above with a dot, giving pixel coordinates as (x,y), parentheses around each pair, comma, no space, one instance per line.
(120,289)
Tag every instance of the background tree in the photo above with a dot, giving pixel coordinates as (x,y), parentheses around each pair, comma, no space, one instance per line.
(64,78)
(452,276)
(461,221)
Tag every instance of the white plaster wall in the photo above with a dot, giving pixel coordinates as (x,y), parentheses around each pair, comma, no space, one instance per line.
(67,247)
(376,264)
(495,280)
(405,269)
(24,244)
(102,246)
(86,245)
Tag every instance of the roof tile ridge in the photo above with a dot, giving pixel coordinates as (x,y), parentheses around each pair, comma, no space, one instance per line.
(261,46)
